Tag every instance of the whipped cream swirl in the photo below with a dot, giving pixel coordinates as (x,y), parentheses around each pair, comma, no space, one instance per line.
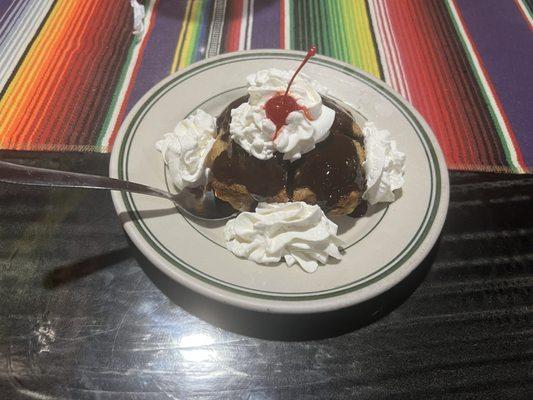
(384,165)
(185,149)
(298,232)
(138,18)
(254,132)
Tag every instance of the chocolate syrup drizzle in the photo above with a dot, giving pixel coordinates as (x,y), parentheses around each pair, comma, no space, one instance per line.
(262,178)
(331,171)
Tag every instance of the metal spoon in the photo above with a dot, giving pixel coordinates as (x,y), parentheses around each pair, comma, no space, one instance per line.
(197,204)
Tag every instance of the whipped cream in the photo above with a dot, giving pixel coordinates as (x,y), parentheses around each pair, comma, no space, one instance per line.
(138,18)
(384,165)
(185,149)
(297,232)
(254,132)
(250,128)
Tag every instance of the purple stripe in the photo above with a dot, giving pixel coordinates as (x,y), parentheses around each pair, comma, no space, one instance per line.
(4,5)
(159,51)
(10,21)
(265,29)
(505,44)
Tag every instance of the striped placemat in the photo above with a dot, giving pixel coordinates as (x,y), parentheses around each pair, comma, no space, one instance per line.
(71,69)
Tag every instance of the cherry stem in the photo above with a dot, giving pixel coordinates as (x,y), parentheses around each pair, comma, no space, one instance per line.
(310,53)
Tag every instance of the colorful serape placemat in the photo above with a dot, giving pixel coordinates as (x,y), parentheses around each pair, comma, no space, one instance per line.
(70,70)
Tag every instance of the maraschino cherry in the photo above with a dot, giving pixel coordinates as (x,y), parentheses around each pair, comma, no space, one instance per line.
(282,104)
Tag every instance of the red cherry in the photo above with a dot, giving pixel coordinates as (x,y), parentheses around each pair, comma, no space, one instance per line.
(278,108)
(281,105)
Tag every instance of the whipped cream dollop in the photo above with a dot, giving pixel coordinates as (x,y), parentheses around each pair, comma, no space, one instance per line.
(384,165)
(185,149)
(138,17)
(297,232)
(254,132)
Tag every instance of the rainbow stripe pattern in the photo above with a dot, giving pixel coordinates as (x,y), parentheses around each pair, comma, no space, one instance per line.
(70,70)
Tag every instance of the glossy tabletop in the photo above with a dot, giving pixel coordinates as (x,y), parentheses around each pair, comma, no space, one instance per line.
(84,316)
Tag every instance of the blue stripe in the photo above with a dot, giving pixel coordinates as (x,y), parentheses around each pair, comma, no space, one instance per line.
(201,48)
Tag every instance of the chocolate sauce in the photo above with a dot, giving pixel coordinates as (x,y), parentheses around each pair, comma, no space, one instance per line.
(343,122)
(360,210)
(331,171)
(262,178)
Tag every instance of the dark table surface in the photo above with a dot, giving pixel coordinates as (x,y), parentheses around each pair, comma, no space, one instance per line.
(84,316)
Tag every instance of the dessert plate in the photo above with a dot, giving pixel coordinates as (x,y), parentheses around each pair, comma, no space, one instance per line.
(384,246)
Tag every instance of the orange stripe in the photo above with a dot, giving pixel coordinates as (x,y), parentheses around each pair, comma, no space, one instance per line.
(57,92)
(19,93)
(64,52)
(9,104)
(59,64)
(15,95)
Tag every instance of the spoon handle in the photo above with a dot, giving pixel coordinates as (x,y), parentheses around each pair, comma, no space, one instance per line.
(25,175)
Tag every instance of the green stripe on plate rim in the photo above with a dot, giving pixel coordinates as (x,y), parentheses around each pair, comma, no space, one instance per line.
(385,270)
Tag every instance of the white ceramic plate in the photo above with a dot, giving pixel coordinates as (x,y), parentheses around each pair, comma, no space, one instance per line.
(384,246)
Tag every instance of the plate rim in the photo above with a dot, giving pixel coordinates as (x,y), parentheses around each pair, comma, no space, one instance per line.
(296,305)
